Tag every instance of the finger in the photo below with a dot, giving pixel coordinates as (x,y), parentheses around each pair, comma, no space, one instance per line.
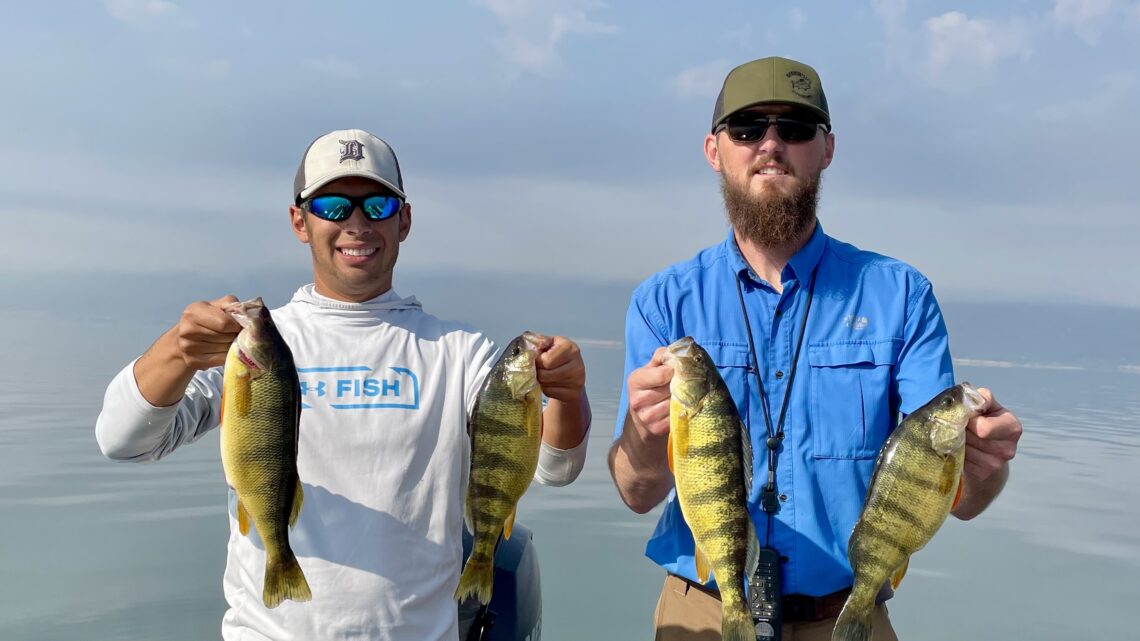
(1002,426)
(977,458)
(560,352)
(228,299)
(658,357)
(650,377)
(1002,449)
(992,406)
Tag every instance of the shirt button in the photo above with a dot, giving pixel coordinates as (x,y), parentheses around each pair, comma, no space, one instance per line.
(783,497)
(779,375)
(779,312)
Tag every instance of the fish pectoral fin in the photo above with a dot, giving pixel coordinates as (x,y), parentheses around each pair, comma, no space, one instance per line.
(509,524)
(298,500)
(958,495)
(702,562)
(243,519)
(242,394)
(946,483)
(897,577)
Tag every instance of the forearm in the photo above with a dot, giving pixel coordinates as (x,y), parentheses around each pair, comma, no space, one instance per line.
(978,494)
(565,423)
(639,466)
(161,374)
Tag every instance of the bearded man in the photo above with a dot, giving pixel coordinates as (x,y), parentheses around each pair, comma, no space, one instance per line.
(822,346)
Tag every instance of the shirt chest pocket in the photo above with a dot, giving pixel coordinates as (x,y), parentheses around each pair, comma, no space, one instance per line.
(850,397)
(732,362)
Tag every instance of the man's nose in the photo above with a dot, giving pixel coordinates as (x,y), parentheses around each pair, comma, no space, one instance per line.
(357,222)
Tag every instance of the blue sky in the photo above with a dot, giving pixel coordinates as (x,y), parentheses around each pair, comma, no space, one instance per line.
(992,145)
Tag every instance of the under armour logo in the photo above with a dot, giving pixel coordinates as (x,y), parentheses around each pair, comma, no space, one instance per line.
(351,150)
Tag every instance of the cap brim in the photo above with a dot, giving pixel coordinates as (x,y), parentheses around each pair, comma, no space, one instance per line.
(357,173)
(824,117)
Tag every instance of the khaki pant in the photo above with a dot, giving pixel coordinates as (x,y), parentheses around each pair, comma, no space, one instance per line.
(685,613)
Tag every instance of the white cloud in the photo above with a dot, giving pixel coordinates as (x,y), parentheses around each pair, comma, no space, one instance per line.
(332,66)
(797,17)
(893,13)
(1108,102)
(535,28)
(218,68)
(139,12)
(958,46)
(701,81)
(1088,18)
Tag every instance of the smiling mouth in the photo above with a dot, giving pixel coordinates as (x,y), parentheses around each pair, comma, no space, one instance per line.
(362,251)
(772,171)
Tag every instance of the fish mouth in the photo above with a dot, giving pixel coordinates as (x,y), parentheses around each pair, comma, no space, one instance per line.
(245,311)
(973,398)
(679,348)
(533,340)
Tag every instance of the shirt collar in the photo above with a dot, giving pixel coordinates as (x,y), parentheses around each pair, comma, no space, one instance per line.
(799,267)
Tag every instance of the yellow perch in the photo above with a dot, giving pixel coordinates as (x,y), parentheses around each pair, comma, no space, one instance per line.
(711,458)
(261,409)
(506,432)
(916,483)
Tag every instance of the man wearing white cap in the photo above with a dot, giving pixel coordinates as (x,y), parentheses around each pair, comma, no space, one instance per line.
(386,391)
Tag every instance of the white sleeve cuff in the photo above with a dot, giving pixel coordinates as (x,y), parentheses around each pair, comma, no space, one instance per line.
(560,467)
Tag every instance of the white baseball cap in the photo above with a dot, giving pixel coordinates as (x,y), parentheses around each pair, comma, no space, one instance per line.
(347,152)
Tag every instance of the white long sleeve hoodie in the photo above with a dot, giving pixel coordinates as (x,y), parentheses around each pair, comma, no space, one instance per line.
(386,391)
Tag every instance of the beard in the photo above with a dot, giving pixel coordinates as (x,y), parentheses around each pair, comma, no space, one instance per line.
(771,220)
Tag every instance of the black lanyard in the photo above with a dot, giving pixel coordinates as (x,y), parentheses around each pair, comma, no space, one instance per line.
(768,500)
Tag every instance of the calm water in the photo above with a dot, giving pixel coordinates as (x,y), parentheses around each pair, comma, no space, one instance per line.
(91,549)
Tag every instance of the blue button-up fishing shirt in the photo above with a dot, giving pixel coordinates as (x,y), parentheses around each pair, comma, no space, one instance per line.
(875,346)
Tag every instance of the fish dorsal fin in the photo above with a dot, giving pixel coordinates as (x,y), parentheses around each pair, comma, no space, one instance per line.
(897,577)
(702,563)
(746,458)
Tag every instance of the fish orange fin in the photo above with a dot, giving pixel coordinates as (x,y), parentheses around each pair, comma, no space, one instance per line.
(243,519)
(958,495)
(669,454)
(222,407)
(702,565)
(897,577)
(298,500)
(510,523)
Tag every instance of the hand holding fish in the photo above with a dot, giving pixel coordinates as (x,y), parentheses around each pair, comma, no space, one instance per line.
(991,442)
(560,369)
(991,439)
(649,395)
(205,333)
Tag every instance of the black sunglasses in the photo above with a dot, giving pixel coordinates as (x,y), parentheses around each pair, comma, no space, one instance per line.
(337,207)
(753,127)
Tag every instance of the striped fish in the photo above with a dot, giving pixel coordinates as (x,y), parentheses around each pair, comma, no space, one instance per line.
(711,459)
(506,431)
(917,482)
(261,409)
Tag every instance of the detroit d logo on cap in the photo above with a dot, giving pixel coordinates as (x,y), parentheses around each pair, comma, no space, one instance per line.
(351,150)
(801,84)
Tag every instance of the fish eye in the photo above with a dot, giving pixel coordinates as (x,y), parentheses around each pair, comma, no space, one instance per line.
(698,358)
(947,401)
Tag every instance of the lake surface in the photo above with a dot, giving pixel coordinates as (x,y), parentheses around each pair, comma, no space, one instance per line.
(92,549)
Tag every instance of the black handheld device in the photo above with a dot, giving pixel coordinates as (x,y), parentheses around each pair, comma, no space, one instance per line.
(764,596)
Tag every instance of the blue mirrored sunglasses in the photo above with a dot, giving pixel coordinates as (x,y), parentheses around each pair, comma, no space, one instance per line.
(336,207)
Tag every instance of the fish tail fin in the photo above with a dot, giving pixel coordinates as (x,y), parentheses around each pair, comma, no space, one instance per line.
(284,580)
(853,624)
(737,626)
(477,579)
